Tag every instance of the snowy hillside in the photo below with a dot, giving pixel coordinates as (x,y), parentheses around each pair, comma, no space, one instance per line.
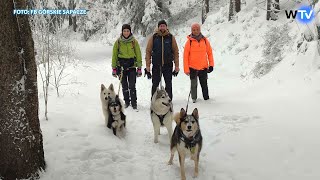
(253,128)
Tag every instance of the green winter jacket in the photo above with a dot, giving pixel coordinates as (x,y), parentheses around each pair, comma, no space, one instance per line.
(126,48)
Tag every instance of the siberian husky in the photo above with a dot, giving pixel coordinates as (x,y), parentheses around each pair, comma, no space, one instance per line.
(117,119)
(186,139)
(161,112)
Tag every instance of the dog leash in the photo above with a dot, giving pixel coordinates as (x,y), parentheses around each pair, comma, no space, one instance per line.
(188,100)
(121,75)
(160,77)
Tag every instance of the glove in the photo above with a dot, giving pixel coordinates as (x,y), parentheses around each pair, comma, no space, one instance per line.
(210,69)
(175,73)
(114,72)
(139,72)
(147,73)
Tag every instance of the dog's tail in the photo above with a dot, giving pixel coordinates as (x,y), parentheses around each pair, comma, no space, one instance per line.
(176,118)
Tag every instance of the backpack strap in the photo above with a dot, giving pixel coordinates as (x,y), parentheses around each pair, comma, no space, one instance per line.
(134,46)
(118,45)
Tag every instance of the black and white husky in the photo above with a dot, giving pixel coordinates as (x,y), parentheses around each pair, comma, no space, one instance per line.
(161,112)
(117,119)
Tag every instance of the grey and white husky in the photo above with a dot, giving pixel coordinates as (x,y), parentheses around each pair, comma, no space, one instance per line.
(161,111)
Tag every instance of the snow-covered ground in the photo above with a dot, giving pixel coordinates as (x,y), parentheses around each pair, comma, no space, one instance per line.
(262,129)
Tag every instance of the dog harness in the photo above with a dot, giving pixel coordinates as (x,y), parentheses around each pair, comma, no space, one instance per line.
(190,142)
(161,117)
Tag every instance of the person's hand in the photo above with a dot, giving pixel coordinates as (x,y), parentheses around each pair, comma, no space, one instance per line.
(139,72)
(146,72)
(210,69)
(187,73)
(114,72)
(175,73)
(148,68)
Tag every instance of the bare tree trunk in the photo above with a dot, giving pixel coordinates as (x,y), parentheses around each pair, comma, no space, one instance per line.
(70,20)
(231,10)
(237,5)
(21,144)
(276,6)
(269,9)
(317,25)
(205,10)
(74,23)
(71,2)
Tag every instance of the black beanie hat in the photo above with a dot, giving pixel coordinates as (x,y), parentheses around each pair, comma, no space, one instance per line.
(162,22)
(126,26)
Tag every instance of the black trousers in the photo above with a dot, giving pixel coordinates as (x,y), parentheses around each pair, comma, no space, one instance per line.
(128,82)
(203,76)
(167,75)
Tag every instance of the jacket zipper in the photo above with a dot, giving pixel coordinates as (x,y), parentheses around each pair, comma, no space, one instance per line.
(162,50)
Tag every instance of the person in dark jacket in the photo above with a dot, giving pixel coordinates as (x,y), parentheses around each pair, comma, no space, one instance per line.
(163,49)
(126,57)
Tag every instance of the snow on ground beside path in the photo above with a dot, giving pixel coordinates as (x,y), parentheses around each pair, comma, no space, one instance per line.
(246,136)
(253,129)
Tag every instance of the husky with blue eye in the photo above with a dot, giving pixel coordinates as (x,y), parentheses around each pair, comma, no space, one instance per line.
(186,139)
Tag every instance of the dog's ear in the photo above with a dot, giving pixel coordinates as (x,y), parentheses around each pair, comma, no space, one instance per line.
(195,114)
(111,87)
(182,113)
(156,92)
(176,118)
(102,87)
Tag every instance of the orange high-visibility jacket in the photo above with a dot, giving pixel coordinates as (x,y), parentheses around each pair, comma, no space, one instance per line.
(197,56)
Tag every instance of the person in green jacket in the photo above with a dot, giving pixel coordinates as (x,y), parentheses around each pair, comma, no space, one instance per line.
(126,58)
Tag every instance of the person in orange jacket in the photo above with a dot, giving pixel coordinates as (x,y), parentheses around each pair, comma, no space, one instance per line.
(198,61)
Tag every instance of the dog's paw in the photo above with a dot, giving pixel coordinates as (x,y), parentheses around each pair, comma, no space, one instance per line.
(170,162)
(156,141)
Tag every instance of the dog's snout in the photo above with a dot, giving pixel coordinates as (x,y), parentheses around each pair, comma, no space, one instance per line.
(169,100)
(189,127)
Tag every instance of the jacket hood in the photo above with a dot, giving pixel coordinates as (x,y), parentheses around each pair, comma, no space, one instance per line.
(194,39)
(129,39)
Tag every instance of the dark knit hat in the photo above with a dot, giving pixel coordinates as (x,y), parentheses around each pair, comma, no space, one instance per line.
(162,22)
(126,26)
